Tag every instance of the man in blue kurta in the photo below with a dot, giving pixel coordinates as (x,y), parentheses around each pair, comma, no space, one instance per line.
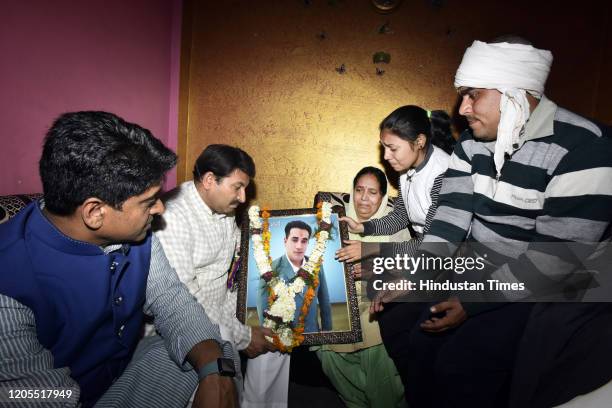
(80,267)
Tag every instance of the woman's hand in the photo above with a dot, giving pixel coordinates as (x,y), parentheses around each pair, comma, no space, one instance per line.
(354,226)
(351,252)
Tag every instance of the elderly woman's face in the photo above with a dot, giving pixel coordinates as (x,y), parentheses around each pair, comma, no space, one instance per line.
(367,196)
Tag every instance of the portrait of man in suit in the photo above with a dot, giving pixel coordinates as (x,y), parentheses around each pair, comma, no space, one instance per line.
(297,236)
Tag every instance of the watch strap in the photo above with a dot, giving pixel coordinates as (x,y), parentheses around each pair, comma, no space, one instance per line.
(221,366)
(207,369)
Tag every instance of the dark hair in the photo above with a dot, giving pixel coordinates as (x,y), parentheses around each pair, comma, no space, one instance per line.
(222,160)
(408,122)
(510,39)
(299,225)
(378,173)
(98,154)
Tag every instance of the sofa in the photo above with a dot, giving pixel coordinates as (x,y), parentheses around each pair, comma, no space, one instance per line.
(12,204)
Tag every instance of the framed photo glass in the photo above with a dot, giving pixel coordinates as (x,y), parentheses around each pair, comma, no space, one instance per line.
(333,315)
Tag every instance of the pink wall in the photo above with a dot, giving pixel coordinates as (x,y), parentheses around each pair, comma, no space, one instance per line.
(64,55)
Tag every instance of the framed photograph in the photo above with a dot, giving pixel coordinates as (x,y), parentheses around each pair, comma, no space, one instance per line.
(333,315)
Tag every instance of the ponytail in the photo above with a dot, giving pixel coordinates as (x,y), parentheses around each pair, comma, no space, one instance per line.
(441,135)
(408,122)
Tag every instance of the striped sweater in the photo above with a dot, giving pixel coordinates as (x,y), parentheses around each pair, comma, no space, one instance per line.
(555,187)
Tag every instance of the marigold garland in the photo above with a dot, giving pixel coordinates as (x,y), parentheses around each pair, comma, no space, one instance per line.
(280,314)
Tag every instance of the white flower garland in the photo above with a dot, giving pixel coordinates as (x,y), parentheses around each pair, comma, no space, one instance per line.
(284,306)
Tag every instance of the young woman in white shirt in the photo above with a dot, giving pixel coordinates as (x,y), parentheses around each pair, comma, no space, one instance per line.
(416,144)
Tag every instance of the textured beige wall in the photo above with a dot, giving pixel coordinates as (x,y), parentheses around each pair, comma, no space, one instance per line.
(256,75)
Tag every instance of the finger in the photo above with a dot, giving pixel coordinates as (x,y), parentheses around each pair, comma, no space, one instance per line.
(270,346)
(346,255)
(436,330)
(433,330)
(346,251)
(348,220)
(428,325)
(441,322)
(376,305)
(436,325)
(267,331)
(441,307)
(347,259)
(382,300)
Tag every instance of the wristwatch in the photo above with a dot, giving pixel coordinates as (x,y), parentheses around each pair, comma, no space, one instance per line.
(221,366)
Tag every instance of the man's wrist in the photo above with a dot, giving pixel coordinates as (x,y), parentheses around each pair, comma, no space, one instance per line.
(221,366)
(203,353)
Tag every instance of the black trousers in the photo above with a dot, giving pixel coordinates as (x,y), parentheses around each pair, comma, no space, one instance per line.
(396,323)
(565,352)
(469,366)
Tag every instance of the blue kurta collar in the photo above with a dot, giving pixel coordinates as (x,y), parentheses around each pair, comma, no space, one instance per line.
(53,237)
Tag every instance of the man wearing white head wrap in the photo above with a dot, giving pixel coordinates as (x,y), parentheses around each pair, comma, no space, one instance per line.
(514,70)
(527,172)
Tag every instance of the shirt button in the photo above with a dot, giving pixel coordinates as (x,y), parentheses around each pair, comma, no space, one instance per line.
(118,300)
(113,266)
(120,332)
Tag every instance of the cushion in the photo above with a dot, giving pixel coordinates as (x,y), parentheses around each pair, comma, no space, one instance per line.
(12,204)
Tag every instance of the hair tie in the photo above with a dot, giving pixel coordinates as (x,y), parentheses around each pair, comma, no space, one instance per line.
(428,114)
